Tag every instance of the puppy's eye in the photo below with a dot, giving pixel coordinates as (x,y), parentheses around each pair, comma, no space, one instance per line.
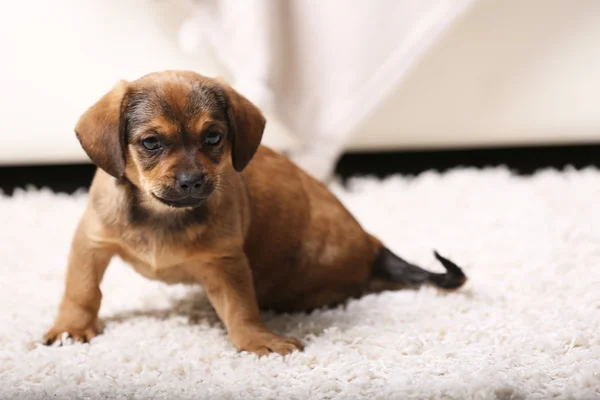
(212,138)
(151,143)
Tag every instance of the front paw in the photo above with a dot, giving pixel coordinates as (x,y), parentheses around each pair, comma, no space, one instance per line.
(263,343)
(61,335)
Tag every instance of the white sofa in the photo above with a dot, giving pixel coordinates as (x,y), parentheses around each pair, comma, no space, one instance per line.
(509,73)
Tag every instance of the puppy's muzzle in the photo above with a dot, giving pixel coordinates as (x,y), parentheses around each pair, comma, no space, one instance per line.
(189,190)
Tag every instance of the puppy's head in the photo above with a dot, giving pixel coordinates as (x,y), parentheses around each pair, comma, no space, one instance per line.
(174,135)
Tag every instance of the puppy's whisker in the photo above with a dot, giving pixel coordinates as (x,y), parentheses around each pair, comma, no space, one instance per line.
(225,174)
(225,185)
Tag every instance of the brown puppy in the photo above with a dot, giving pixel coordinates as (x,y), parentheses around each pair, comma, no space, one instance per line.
(185,193)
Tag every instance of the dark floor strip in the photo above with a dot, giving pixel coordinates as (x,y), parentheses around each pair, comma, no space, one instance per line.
(524,160)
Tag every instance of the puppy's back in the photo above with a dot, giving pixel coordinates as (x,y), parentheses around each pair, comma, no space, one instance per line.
(300,235)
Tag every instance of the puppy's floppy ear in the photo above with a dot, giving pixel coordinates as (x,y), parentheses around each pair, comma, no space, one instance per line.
(101,130)
(246,126)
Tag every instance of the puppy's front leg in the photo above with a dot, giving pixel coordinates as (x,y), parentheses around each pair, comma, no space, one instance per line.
(78,311)
(230,289)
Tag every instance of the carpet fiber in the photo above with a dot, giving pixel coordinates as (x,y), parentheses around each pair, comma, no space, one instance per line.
(526,325)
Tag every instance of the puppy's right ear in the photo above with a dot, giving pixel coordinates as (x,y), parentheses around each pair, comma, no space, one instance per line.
(101,130)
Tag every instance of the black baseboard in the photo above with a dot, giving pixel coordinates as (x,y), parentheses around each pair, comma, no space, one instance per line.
(522,160)
(59,178)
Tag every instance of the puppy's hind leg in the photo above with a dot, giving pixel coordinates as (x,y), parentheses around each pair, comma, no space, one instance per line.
(391,272)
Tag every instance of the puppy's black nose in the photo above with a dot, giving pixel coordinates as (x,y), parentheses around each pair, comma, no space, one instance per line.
(190,182)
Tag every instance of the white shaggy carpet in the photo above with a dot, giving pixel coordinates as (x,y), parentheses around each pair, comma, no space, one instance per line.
(526,326)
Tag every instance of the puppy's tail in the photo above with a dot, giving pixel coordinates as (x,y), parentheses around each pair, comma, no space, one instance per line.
(390,267)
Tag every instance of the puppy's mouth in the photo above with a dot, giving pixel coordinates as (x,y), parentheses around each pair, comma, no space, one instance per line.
(184,202)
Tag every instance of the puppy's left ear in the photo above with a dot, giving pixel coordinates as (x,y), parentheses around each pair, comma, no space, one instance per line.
(101,130)
(246,126)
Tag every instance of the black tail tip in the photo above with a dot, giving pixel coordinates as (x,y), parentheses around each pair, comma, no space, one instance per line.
(453,278)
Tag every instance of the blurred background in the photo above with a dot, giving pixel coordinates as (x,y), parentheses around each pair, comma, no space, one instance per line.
(350,86)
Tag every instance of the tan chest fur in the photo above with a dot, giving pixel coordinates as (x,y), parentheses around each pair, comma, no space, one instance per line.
(156,258)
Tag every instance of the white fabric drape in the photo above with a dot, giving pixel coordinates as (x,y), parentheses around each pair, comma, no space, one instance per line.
(320,66)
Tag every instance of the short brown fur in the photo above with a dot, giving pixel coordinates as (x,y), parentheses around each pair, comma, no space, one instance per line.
(263,234)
